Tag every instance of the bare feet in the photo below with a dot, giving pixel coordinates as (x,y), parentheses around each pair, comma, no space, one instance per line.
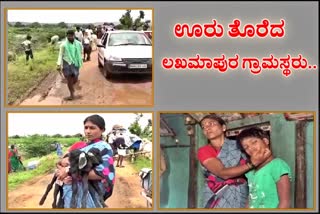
(77,85)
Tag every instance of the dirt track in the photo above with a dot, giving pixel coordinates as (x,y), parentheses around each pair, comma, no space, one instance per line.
(126,192)
(96,89)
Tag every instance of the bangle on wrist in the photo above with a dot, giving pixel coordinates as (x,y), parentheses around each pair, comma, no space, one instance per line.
(250,165)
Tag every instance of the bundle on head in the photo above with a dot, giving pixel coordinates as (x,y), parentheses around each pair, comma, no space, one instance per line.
(81,164)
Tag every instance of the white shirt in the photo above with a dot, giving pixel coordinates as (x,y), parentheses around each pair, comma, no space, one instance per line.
(27,45)
(86,40)
(89,31)
(79,35)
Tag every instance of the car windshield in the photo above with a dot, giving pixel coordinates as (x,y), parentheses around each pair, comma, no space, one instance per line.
(119,39)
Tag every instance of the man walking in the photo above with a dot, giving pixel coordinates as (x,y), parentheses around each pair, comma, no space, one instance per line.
(70,57)
(78,34)
(27,48)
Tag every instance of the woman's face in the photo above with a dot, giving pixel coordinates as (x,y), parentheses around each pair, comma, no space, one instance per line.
(252,145)
(212,128)
(92,131)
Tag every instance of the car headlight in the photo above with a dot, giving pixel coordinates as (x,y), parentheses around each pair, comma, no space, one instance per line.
(114,58)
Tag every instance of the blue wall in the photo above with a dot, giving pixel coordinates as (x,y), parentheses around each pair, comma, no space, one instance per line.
(175,180)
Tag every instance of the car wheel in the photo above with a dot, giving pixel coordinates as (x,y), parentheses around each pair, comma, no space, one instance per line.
(108,74)
(99,64)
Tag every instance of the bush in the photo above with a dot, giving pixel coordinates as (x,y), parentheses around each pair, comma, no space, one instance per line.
(16,136)
(39,145)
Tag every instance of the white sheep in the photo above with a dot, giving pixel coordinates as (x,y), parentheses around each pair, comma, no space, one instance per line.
(54,39)
(12,56)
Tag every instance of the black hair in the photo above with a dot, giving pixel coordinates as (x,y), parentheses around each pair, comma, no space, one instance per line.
(12,146)
(96,120)
(70,32)
(252,132)
(28,37)
(213,117)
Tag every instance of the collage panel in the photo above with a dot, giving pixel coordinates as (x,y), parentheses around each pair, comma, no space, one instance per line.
(236,160)
(75,57)
(91,160)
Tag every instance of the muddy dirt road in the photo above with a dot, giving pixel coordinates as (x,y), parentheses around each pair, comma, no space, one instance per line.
(126,192)
(95,89)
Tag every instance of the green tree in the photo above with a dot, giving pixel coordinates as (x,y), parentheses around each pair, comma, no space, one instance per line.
(138,23)
(135,128)
(62,25)
(146,25)
(118,27)
(126,20)
(57,136)
(35,25)
(79,135)
(141,16)
(37,146)
(15,136)
(18,24)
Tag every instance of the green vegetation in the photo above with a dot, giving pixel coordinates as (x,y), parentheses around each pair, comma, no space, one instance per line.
(21,76)
(47,165)
(142,162)
(136,129)
(39,145)
(127,22)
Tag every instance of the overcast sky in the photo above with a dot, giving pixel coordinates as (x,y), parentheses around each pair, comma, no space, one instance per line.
(64,123)
(71,16)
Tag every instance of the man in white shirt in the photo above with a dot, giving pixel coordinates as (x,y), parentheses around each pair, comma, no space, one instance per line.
(87,46)
(89,31)
(27,48)
(78,34)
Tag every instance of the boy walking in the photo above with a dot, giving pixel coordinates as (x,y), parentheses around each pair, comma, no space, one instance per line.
(27,48)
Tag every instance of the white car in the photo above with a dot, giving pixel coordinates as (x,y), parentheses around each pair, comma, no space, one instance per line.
(125,51)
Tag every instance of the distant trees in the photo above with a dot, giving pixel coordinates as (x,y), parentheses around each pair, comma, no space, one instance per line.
(127,22)
(62,25)
(135,128)
(18,24)
(35,25)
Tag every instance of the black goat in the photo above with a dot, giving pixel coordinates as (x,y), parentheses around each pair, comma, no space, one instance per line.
(57,189)
(81,164)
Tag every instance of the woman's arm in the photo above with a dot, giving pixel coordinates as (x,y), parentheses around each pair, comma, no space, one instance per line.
(93,176)
(283,187)
(215,166)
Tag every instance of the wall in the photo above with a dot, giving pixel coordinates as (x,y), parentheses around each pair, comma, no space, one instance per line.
(310,149)
(175,180)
